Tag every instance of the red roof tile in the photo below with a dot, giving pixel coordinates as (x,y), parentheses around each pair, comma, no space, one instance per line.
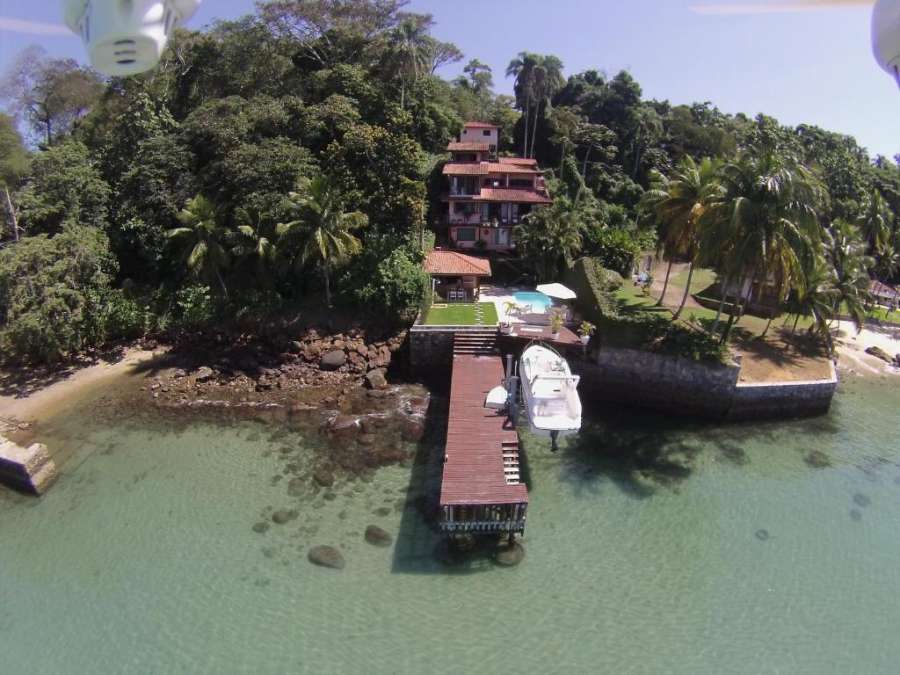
(466,169)
(518,160)
(454,146)
(473,467)
(498,167)
(512,195)
(480,125)
(452,263)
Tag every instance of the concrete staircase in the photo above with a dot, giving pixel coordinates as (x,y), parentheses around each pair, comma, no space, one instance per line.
(476,342)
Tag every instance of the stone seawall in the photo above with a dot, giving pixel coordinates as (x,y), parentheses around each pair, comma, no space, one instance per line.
(783,399)
(28,469)
(656,381)
(680,386)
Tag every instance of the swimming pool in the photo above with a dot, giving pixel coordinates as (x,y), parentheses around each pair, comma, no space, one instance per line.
(539,302)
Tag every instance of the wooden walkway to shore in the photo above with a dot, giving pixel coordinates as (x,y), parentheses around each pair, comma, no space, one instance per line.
(481,488)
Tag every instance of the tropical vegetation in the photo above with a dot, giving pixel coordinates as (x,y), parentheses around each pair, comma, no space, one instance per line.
(293,158)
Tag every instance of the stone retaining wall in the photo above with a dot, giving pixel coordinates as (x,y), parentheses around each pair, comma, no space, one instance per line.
(657,381)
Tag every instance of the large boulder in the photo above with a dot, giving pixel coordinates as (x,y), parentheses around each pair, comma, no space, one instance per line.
(204,374)
(343,426)
(375,379)
(326,556)
(378,537)
(283,516)
(333,359)
(879,353)
(508,555)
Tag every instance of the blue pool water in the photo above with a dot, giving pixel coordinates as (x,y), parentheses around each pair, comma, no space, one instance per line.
(539,302)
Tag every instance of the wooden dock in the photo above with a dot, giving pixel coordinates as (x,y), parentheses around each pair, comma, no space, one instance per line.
(481,487)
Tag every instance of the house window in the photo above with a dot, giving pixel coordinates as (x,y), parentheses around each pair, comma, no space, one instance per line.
(466,234)
(485,212)
(486,132)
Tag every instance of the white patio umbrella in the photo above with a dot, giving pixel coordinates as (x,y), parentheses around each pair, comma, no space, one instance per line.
(557,291)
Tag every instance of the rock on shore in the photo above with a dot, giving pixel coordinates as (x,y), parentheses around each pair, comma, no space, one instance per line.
(378,537)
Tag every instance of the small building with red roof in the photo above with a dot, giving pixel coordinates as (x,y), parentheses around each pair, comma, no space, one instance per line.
(455,276)
(488,195)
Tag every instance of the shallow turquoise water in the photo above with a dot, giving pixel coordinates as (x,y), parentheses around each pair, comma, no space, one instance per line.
(142,558)
(539,302)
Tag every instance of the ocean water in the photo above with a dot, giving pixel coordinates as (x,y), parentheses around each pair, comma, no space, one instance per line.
(653,546)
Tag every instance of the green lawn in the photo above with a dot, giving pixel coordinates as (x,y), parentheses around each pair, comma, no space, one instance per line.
(461,315)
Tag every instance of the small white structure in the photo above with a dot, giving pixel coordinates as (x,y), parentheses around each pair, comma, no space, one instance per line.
(557,291)
(125,37)
(550,392)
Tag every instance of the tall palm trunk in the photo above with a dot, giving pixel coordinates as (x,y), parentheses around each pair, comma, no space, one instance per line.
(768,324)
(724,292)
(741,303)
(534,126)
(221,282)
(687,290)
(327,280)
(525,137)
(584,165)
(402,94)
(665,285)
(13,220)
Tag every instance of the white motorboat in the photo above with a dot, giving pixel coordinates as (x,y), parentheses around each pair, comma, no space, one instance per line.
(550,392)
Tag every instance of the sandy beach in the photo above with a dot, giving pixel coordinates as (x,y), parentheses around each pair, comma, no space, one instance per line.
(31,404)
(851,347)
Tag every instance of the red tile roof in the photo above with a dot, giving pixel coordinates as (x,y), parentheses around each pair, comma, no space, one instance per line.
(466,169)
(473,467)
(518,160)
(452,263)
(484,168)
(512,195)
(455,146)
(878,288)
(480,125)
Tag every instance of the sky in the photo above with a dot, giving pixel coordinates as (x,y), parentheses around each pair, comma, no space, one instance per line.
(804,65)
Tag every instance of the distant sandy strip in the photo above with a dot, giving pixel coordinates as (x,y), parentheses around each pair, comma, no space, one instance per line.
(851,348)
(44,402)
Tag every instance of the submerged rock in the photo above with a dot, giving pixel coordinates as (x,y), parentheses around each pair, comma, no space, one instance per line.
(323,477)
(817,459)
(855,514)
(283,516)
(509,555)
(762,535)
(861,500)
(378,537)
(261,526)
(326,556)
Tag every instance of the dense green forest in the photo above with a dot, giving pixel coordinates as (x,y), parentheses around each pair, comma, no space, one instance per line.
(293,156)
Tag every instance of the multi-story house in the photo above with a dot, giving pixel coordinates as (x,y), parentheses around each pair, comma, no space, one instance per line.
(488,195)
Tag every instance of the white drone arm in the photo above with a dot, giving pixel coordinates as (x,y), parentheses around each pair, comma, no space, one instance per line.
(124,37)
(886,36)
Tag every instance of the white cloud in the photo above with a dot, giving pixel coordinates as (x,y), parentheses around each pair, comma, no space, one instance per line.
(10,25)
(775,7)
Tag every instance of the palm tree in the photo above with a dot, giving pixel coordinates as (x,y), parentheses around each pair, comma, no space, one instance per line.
(768,206)
(846,252)
(325,227)
(875,221)
(408,51)
(681,207)
(253,243)
(548,80)
(202,240)
(552,235)
(816,297)
(522,69)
